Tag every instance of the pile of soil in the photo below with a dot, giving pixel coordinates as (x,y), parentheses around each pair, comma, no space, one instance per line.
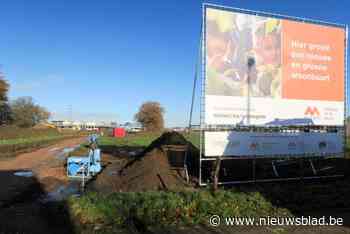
(172,138)
(150,170)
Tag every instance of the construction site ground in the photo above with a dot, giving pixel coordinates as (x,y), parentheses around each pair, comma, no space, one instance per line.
(23,200)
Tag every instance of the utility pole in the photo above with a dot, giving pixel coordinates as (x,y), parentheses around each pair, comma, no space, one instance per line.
(70,113)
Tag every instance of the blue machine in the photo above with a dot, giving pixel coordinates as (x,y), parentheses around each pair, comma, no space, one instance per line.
(88,166)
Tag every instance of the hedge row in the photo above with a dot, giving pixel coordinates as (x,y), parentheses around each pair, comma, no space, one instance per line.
(10,150)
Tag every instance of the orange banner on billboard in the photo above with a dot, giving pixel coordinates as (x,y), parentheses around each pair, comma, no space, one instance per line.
(313,61)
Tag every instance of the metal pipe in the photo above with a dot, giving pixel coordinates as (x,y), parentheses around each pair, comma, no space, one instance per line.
(274,180)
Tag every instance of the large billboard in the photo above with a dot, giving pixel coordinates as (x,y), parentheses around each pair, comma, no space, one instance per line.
(259,69)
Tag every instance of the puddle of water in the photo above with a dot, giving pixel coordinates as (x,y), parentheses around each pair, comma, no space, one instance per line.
(54,149)
(62,155)
(113,173)
(24,173)
(68,150)
(62,192)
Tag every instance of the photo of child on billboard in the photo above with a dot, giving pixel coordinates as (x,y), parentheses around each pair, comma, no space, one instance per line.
(233,39)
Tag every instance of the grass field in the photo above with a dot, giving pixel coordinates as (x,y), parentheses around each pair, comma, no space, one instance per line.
(30,140)
(13,132)
(142,139)
(138,139)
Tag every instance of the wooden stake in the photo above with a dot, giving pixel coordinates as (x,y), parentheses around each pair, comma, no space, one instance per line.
(216,174)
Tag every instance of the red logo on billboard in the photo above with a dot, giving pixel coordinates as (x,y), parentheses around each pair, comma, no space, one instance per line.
(312,111)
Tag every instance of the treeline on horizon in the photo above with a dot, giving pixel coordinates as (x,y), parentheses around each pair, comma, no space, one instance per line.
(25,113)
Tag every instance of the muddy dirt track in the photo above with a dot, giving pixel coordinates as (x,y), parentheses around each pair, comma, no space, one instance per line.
(21,210)
(47,164)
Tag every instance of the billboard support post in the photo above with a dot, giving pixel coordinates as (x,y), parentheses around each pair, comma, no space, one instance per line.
(250,64)
(254,169)
(195,79)
(248,95)
(202,101)
(312,167)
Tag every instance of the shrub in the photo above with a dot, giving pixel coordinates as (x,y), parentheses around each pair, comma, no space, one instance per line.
(169,208)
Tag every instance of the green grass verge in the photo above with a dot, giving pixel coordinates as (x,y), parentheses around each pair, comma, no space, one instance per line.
(31,140)
(11,150)
(169,208)
(14,132)
(142,139)
(193,137)
(15,140)
(138,139)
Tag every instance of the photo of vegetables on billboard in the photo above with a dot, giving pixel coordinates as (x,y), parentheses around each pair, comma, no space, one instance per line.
(267,69)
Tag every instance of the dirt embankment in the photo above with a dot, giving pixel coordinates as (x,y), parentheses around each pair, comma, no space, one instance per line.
(150,170)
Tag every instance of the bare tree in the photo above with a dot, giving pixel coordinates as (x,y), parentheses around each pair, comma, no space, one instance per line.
(4,87)
(150,116)
(5,110)
(26,113)
(5,113)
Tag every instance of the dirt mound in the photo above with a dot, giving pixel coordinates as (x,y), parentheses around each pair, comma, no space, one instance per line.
(45,126)
(174,138)
(150,170)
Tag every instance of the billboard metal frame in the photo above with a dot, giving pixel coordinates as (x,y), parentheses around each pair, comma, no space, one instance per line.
(204,127)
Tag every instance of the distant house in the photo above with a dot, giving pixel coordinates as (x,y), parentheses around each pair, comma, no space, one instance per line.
(132,127)
(105,124)
(90,126)
(74,125)
(62,124)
